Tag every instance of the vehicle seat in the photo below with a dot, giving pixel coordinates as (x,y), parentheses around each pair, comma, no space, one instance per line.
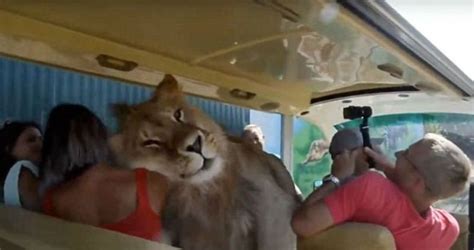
(351,236)
(23,229)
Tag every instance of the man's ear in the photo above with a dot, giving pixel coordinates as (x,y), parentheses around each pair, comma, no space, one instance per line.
(419,183)
(167,88)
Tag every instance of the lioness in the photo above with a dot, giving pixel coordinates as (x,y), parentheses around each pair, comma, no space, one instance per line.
(223,195)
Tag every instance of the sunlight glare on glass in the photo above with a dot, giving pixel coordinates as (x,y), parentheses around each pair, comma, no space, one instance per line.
(448,24)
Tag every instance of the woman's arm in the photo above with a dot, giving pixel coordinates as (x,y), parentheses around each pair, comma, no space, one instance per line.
(28,188)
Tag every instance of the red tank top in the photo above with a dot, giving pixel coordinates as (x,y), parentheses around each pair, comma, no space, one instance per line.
(143,222)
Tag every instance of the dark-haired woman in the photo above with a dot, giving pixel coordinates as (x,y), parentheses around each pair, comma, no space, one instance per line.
(20,153)
(79,185)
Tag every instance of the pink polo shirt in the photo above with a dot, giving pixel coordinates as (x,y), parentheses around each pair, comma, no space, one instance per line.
(371,198)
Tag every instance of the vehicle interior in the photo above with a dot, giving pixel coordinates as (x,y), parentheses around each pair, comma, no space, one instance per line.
(303,60)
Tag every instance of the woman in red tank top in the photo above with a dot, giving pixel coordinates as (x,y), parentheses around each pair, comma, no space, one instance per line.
(78,185)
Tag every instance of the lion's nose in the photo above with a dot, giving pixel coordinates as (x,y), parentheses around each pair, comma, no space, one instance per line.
(196,146)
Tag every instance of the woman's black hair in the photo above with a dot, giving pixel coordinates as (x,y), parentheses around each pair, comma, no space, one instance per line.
(9,134)
(74,140)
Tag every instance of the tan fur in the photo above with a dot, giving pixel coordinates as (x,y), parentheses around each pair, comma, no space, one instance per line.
(239,198)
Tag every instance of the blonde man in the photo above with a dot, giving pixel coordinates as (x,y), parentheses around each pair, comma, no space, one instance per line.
(431,169)
(253,135)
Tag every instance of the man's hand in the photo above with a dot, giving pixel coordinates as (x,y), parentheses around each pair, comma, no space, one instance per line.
(381,162)
(343,165)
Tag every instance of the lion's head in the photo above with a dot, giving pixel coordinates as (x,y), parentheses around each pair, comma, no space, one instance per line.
(167,135)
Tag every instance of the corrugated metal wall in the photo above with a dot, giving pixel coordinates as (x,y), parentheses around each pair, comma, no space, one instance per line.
(232,118)
(29,90)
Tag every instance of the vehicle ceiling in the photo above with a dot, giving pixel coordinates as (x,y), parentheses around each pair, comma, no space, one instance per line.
(274,55)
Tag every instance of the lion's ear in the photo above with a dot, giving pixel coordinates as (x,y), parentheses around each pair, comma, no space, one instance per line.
(167,88)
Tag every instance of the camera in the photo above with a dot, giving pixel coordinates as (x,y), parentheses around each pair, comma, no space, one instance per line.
(354,112)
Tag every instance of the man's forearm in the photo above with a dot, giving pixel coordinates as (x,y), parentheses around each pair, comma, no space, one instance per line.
(313,216)
(320,193)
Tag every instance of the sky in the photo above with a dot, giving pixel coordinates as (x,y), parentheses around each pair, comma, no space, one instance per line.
(448,24)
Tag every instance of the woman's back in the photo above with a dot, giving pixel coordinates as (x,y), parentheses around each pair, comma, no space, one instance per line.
(121,200)
(77,186)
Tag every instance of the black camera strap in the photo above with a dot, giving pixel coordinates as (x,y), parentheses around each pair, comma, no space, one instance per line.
(364,130)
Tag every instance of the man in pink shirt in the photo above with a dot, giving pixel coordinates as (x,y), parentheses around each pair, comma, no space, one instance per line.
(429,170)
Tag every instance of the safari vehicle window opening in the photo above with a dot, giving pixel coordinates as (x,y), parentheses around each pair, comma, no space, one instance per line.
(364,92)
(385,19)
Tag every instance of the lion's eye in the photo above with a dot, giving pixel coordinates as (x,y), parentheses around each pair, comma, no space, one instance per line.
(152,143)
(178,115)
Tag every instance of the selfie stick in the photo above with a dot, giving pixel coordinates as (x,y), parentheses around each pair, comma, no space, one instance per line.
(364,130)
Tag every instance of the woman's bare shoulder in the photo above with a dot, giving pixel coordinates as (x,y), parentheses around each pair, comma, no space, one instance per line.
(105,177)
